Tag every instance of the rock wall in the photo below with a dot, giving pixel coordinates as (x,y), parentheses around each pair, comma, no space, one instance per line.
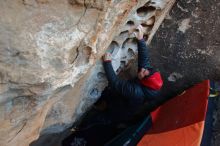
(50,72)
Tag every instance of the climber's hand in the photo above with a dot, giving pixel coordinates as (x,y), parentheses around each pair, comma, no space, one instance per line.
(140,34)
(107,57)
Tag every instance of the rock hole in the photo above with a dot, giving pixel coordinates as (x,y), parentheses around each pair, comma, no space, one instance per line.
(100,75)
(125,42)
(122,64)
(129,43)
(87,51)
(157,4)
(130,23)
(124,33)
(152,3)
(121,67)
(144,24)
(150,21)
(130,53)
(84,56)
(144,11)
(145,37)
(113,48)
(136,30)
(94,93)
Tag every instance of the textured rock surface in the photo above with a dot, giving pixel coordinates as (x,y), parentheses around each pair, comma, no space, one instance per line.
(47,52)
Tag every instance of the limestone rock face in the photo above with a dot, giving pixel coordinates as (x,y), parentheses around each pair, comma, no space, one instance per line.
(50,68)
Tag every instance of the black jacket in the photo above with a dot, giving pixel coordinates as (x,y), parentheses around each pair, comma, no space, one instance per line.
(133,90)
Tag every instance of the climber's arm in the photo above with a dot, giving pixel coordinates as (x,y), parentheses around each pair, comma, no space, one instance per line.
(143,56)
(123,87)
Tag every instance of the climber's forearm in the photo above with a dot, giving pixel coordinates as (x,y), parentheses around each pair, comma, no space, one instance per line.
(110,73)
(143,56)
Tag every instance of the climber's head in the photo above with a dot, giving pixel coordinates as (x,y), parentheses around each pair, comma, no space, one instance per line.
(150,80)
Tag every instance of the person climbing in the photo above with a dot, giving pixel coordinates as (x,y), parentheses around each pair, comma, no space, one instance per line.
(145,87)
(119,101)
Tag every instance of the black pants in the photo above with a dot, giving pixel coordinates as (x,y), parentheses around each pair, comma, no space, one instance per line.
(100,126)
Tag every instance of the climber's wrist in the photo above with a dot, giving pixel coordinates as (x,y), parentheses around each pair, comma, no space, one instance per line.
(107,60)
(141,39)
(107,57)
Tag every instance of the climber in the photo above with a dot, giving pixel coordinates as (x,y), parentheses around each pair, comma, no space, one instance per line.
(136,91)
(119,102)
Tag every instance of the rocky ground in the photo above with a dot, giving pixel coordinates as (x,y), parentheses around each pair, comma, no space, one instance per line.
(186,48)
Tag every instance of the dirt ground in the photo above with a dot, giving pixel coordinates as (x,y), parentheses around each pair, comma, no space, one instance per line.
(186,49)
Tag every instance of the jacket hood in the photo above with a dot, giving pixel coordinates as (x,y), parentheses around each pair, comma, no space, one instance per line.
(154,81)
